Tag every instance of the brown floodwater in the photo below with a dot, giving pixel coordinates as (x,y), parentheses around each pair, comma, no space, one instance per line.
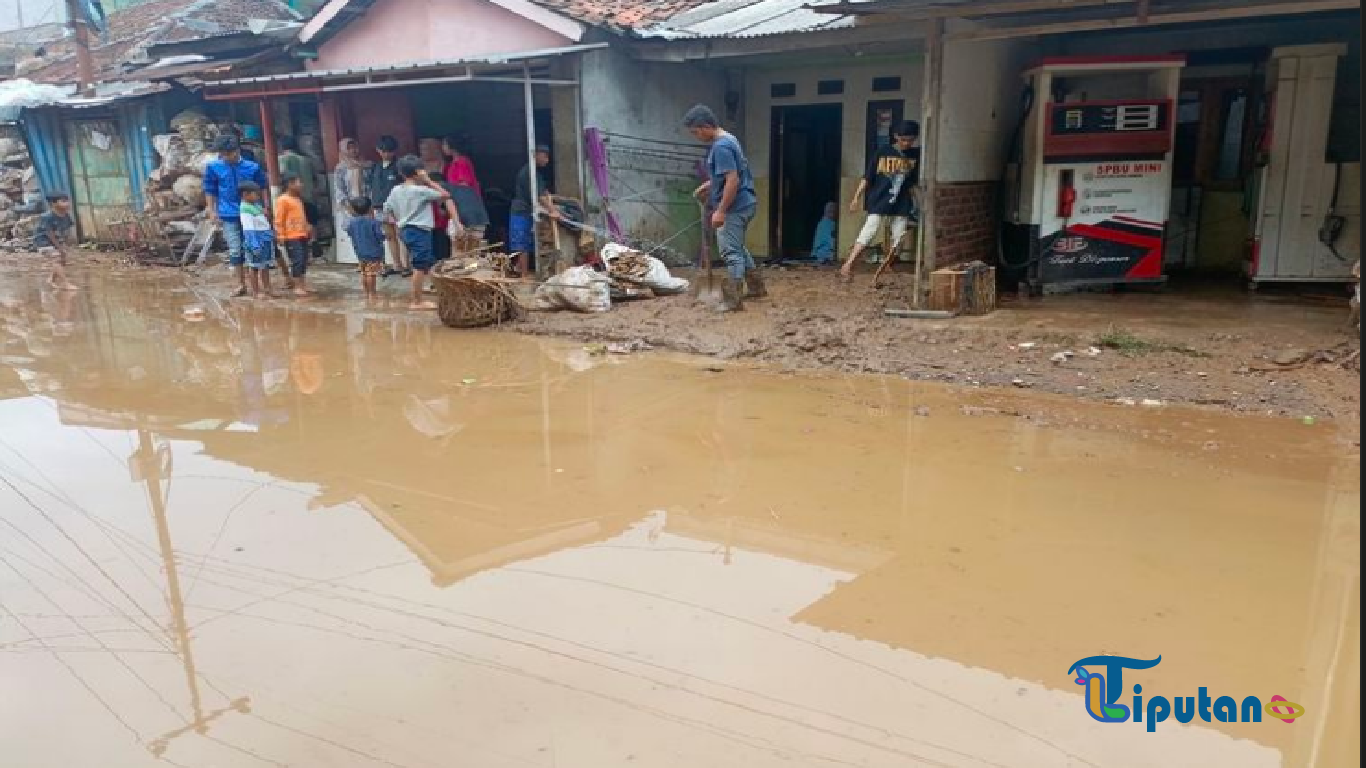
(286,537)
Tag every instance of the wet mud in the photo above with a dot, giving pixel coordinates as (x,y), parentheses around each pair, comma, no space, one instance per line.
(1212,349)
(278,536)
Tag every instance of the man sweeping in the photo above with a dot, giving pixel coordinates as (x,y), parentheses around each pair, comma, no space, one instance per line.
(888,193)
(730,185)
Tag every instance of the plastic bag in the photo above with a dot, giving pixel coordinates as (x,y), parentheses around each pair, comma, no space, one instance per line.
(655,274)
(580,289)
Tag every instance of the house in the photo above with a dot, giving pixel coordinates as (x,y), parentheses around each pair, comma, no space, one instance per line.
(98,148)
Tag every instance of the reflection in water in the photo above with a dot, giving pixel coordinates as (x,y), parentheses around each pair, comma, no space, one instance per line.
(297,538)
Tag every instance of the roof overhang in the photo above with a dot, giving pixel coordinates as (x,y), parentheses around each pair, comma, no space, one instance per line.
(1003,19)
(522,67)
(336,14)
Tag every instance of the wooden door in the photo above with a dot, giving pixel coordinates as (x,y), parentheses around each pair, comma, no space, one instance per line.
(100,189)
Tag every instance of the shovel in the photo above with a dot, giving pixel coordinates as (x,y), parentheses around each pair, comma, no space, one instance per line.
(710,294)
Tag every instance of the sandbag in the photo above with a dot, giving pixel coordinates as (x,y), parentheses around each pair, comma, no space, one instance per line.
(190,189)
(645,270)
(580,289)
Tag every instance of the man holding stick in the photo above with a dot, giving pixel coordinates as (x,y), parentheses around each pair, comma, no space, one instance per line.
(889,193)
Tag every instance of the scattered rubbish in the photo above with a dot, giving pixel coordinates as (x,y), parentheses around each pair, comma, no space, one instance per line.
(977,410)
(1061,357)
(919,314)
(1126,401)
(468,382)
(631,266)
(1019,382)
(1308,421)
(194,314)
(1094,351)
(629,347)
(1202,374)
(595,349)
(1150,403)
(1028,345)
(714,369)
(1211,445)
(922,411)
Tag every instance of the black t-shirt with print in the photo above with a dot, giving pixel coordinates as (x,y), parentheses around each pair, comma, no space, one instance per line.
(890,177)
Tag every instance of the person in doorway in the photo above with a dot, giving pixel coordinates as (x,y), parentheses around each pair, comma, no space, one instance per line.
(348,181)
(53,236)
(383,178)
(258,240)
(888,193)
(293,162)
(223,202)
(367,235)
(464,186)
(295,231)
(409,206)
(521,220)
(730,191)
(823,244)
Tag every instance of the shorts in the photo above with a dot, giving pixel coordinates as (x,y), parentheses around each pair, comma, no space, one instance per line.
(418,240)
(48,252)
(874,224)
(371,267)
(297,251)
(262,259)
(521,237)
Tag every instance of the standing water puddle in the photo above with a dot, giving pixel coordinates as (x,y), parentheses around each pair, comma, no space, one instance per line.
(312,539)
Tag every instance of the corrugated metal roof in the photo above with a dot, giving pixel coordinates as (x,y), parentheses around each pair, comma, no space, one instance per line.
(323,74)
(747,18)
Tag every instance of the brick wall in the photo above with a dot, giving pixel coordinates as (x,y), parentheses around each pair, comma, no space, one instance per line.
(966,227)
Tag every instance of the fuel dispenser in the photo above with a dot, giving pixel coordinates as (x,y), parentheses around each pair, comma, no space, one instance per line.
(1091,187)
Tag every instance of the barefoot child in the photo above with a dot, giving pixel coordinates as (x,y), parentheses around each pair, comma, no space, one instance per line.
(368,238)
(52,238)
(258,241)
(291,223)
(409,206)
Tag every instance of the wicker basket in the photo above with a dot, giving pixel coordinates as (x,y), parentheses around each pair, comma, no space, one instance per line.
(465,299)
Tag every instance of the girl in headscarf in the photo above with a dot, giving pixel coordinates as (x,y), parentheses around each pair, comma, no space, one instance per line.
(464,186)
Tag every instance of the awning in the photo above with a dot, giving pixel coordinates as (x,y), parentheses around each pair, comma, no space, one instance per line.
(520,68)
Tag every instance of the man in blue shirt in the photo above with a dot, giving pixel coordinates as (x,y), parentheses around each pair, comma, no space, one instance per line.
(730,185)
(222,179)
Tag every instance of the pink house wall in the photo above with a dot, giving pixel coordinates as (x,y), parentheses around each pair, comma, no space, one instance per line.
(407,31)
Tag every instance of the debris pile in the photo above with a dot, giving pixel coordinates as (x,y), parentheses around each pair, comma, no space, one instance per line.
(175,190)
(633,269)
(21,200)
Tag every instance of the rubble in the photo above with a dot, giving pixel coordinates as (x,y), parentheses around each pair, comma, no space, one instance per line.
(175,190)
(19,192)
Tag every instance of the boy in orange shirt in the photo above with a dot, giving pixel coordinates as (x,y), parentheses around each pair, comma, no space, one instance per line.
(294,231)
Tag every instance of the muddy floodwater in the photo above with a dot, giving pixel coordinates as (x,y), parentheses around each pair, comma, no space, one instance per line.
(280,537)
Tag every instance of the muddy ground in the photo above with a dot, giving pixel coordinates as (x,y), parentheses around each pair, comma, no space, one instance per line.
(1288,354)
(1278,355)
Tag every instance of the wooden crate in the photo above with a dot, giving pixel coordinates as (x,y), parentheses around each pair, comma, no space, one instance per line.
(963,291)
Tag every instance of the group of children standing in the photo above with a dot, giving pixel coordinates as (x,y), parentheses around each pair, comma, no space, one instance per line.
(234,188)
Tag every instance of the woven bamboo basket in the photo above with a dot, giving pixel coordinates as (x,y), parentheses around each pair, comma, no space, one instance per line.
(472,298)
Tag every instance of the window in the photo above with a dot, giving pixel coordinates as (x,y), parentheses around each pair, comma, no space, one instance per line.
(782,90)
(830,87)
(884,84)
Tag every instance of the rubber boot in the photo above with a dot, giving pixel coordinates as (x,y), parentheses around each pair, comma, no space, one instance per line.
(754,285)
(731,296)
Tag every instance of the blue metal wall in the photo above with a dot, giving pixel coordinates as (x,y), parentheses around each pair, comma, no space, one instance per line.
(138,120)
(43,134)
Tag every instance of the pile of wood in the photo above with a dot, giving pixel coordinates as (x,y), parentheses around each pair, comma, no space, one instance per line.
(20,196)
(175,190)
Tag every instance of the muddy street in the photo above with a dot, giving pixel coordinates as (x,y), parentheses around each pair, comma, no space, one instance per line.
(287,537)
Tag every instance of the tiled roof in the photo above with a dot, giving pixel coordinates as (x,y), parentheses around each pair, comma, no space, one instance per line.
(132,29)
(621,14)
